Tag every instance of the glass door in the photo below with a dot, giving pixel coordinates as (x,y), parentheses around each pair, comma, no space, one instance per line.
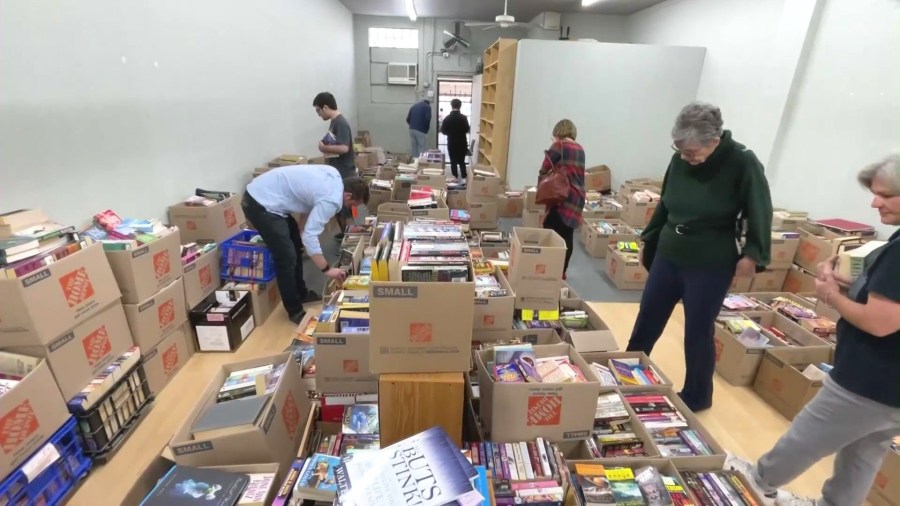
(449,88)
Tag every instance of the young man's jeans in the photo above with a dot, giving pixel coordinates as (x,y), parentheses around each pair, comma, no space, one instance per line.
(419,142)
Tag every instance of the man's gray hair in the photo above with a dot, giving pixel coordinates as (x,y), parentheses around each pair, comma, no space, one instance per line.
(698,122)
(887,170)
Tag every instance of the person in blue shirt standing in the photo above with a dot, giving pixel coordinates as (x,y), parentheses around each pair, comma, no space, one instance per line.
(316,191)
(419,121)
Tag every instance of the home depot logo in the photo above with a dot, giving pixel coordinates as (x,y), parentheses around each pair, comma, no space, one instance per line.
(170,359)
(613,267)
(488,319)
(543,410)
(16,426)
(777,386)
(76,286)
(161,266)
(166,313)
(719,347)
(881,480)
(205,275)
(351,366)
(540,269)
(96,345)
(230,218)
(273,295)
(290,414)
(190,225)
(808,251)
(420,332)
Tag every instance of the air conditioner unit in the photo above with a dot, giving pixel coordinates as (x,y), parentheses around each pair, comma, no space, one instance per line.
(403,73)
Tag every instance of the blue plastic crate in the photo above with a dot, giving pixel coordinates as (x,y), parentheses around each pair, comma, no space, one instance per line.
(56,481)
(243,262)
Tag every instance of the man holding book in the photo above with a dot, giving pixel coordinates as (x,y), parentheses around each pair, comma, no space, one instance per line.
(337,146)
(315,191)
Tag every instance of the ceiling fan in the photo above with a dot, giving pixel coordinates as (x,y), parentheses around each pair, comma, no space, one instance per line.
(455,39)
(502,21)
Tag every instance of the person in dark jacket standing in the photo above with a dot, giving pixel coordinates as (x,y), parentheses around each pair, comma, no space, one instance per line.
(711,181)
(567,155)
(339,154)
(456,127)
(419,120)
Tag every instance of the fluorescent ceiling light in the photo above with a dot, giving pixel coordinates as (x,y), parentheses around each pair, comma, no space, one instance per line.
(411,10)
(588,3)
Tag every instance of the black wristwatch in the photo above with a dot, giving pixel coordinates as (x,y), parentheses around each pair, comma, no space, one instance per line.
(326,268)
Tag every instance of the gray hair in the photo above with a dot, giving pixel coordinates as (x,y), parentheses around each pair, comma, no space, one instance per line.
(887,170)
(698,122)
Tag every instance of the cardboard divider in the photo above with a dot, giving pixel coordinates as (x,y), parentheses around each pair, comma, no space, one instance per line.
(595,337)
(495,313)
(603,358)
(780,380)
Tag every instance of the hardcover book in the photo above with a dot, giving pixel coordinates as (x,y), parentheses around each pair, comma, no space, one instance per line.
(191,485)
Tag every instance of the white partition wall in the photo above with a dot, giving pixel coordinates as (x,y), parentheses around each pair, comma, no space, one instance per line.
(623,99)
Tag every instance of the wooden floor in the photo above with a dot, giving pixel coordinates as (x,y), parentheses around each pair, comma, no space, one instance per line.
(739,420)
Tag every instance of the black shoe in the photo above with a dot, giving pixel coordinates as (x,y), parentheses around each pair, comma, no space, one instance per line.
(694,407)
(297,317)
(312,296)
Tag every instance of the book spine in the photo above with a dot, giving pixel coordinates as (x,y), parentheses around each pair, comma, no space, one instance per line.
(509,461)
(740,488)
(554,470)
(542,454)
(693,482)
(526,460)
(731,496)
(520,462)
(535,459)
(708,484)
(484,451)
(500,470)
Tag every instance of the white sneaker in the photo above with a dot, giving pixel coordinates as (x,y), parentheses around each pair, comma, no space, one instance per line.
(786,498)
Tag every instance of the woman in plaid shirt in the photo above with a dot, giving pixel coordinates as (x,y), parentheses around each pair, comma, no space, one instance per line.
(567,155)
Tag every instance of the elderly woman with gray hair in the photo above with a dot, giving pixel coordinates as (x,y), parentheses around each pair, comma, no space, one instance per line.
(857,412)
(712,184)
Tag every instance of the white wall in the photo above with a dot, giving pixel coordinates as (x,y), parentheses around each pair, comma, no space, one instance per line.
(599,27)
(845,112)
(131,105)
(622,109)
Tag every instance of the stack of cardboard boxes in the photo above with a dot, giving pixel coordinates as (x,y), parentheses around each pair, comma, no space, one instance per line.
(482,196)
(533,214)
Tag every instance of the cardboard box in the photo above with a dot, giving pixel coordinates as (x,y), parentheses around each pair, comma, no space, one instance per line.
(163,362)
(362,161)
(495,313)
(144,271)
(30,414)
(378,196)
(537,257)
(782,385)
(437,181)
(201,278)
(456,199)
(160,465)
(47,303)
(625,269)
(276,438)
(598,178)
(524,411)
(421,327)
(531,198)
(798,280)
(640,183)
(595,337)
(637,214)
(603,358)
(264,298)
(785,219)
(597,242)
(533,218)
(817,244)
(316,160)
(219,331)
(782,253)
(425,400)
(768,280)
(886,488)
(153,319)
(342,364)
(483,215)
(482,188)
(510,207)
(214,223)
(400,211)
(401,190)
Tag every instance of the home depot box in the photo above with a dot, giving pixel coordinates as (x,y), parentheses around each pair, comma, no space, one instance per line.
(163,362)
(342,364)
(537,258)
(214,223)
(47,303)
(378,196)
(603,358)
(598,178)
(780,380)
(768,280)
(456,199)
(78,355)
(495,313)
(817,244)
(510,206)
(534,218)
(597,241)
(782,253)
(400,211)
(886,488)
(640,183)
(740,284)
(483,215)
(264,298)
(223,330)
(595,337)
(144,271)
(799,280)
(30,414)
(432,180)
(153,319)
(201,278)
(784,219)
(483,186)
(277,436)
(624,269)
(637,214)
(524,411)
(420,327)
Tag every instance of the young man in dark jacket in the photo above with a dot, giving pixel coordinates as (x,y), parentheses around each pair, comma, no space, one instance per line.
(456,127)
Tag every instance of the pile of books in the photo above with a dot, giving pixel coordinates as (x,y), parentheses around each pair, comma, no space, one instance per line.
(192,251)
(738,302)
(431,251)
(628,246)
(626,371)
(345,314)
(574,319)
(118,233)
(256,381)
(718,488)
(792,310)
(597,484)
(524,472)
(184,484)
(206,198)
(30,242)
(612,435)
(494,239)
(517,364)
(645,196)
(667,426)
(423,197)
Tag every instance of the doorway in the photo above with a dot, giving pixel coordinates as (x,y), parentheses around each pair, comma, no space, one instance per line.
(449,88)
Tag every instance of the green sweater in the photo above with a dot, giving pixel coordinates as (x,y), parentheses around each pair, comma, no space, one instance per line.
(706,199)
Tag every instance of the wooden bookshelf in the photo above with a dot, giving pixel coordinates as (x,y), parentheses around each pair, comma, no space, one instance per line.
(496,104)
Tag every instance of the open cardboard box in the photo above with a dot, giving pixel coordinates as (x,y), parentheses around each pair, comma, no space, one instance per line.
(215,223)
(495,313)
(603,358)
(144,271)
(817,244)
(342,360)
(598,178)
(624,269)
(782,253)
(483,215)
(514,412)
(886,488)
(537,257)
(780,380)
(275,439)
(595,337)
(597,243)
